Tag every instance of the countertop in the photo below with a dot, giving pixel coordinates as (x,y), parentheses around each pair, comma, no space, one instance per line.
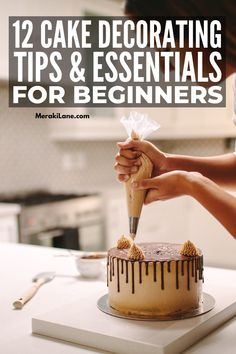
(19,263)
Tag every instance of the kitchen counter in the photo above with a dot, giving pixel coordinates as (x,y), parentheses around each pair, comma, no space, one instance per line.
(19,263)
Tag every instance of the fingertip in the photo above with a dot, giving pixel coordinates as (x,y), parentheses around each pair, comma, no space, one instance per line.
(148,200)
(125,144)
(123,178)
(119,145)
(119,179)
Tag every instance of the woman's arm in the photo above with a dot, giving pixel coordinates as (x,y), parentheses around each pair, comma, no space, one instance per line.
(220,169)
(219,203)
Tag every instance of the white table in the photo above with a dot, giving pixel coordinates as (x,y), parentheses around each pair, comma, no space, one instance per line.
(19,263)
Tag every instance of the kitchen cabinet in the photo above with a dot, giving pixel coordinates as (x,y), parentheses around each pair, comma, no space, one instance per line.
(102,7)
(173,221)
(159,222)
(176,123)
(206,122)
(9,223)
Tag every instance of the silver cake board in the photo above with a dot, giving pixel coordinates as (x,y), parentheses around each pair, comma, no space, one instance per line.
(207,305)
(83,323)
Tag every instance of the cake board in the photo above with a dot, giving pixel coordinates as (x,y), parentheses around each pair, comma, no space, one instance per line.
(83,323)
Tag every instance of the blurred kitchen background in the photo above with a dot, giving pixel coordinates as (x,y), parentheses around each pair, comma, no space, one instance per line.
(57,185)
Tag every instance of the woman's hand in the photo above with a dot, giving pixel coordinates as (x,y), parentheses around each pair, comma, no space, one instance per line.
(127,160)
(169,185)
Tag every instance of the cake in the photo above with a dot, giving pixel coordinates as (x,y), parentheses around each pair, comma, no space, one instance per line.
(164,282)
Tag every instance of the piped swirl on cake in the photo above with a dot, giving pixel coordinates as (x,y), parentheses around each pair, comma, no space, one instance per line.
(135,253)
(164,282)
(189,249)
(124,242)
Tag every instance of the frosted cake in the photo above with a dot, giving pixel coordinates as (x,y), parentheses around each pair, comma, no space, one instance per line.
(166,279)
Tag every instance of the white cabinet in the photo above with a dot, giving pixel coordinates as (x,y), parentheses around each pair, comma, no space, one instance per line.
(174,221)
(218,246)
(102,7)
(8,229)
(9,223)
(176,123)
(206,122)
(159,222)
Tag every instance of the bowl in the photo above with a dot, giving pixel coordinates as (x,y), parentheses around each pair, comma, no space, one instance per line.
(91,264)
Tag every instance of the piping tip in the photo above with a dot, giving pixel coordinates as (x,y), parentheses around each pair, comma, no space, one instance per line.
(133,226)
(132,236)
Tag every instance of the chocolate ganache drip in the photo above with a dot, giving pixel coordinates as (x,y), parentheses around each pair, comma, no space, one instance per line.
(165,254)
(140,272)
(155,271)
(126,271)
(177,275)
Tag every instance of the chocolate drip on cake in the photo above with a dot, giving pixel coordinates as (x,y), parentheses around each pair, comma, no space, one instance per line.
(113,267)
(118,274)
(132,271)
(146,268)
(140,272)
(192,264)
(126,272)
(155,271)
(182,268)
(168,266)
(122,266)
(162,276)
(177,274)
(201,269)
(107,270)
(188,276)
(110,268)
(196,269)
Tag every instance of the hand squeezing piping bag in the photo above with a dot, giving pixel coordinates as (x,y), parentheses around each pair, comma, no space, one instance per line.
(138,127)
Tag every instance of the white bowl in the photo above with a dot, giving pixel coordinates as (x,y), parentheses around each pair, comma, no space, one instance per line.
(91,264)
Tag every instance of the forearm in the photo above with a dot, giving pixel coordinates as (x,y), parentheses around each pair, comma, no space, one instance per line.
(219,203)
(220,169)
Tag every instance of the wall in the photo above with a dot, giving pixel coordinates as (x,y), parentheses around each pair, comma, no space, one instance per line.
(29,160)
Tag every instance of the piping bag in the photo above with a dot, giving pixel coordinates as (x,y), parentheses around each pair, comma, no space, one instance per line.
(138,127)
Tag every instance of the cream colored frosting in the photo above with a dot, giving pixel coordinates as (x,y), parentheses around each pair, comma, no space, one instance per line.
(188,249)
(135,253)
(123,242)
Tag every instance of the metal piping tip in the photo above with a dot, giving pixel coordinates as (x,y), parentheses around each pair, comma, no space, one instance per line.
(133,226)
(132,236)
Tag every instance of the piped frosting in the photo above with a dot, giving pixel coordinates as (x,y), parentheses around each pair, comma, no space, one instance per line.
(135,253)
(124,242)
(188,249)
